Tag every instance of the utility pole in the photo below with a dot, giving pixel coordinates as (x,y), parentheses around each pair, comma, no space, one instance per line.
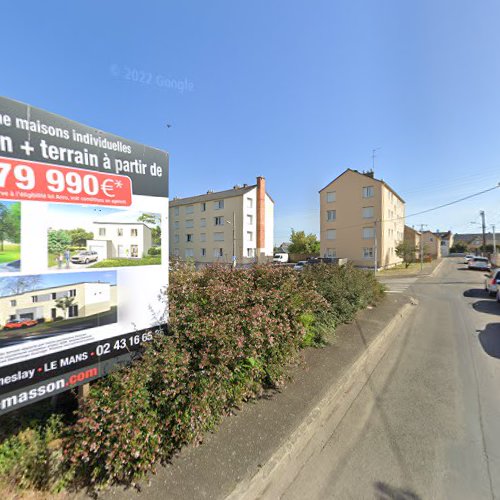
(494,245)
(375,248)
(422,246)
(234,242)
(481,213)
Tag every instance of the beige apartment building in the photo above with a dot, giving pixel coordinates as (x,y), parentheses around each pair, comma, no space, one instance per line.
(361,219)
(89,298)
(213,227)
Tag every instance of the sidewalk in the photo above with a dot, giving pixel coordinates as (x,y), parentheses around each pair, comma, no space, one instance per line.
(244,442)
(412,272)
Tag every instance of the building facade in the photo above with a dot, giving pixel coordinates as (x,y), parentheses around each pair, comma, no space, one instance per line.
(431,244)
(413,237)
(361,219)
(89,298)
(217,225)
(446,242)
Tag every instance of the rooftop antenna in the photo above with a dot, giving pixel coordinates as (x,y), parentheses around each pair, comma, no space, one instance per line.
(373,158)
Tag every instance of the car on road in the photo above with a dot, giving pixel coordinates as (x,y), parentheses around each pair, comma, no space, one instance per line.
(280,258)
(468,257)
(481,263)
(491,282)
(300,265)
(84,257)
(20,323)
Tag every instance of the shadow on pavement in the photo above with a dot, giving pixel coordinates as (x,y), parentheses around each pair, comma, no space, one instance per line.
(475,292)
(385,492)
(487,306)
(489,339)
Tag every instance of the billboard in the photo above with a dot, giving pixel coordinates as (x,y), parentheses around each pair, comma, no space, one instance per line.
(83,251)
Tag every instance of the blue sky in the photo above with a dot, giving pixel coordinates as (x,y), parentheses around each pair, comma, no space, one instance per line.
(50,280)
(295,91)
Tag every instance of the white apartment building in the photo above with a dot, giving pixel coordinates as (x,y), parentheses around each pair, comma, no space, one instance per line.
(114,238)
(215,226)
(89,298)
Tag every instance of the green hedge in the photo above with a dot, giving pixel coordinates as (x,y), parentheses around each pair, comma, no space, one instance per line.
(232,333)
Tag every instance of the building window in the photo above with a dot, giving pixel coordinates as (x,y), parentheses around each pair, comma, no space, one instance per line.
(73,311)
(249,202)
(189,238)
(331,252)
(331,215)
(102,231)
(218,205)
(176,224)
(13,303)
(54,296)
(203,236)
(368,233)
(72,293)
(368,192)
(134,232)
(119,231)
(176,210)
(219,221)
(331,234)
(203,207)
(218,252)
(203,222)
(189,252)
(189,223)
(249,236)
(249,219)
(367,212)
(176,238)
(368,253)
(250,252)
(203,252)
(190,209)
(331,196)
(34,298)
(218,236)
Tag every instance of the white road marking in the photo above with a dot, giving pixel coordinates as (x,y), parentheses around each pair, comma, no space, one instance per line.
(397,285)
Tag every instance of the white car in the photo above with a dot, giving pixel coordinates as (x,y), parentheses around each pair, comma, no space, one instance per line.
(467,258)
(84,257)
(491,282)
(481,263)
(300,265)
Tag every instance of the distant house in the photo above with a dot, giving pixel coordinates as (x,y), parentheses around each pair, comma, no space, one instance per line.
(446,242)
(474,240)
(412,236)
(117,237)
(431,244)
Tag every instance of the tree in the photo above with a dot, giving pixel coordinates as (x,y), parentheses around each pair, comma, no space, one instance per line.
(152,220)
(65,303)
(302,243)
(406,251)
(10,224)
(58,240)
(20,284)
(79,236)
(459,247)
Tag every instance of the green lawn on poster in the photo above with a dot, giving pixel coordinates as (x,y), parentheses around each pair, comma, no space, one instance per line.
(11,251)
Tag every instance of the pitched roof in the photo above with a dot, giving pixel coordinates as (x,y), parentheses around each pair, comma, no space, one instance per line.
(229,193)
(444,236)
(366,175)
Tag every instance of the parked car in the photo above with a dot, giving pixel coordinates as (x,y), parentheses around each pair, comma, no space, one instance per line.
(481,263)
(467,258)
(20,323)
(300,265)
(84,257)
(280,257)
(491,282)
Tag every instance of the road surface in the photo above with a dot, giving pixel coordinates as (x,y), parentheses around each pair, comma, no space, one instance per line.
(427,423)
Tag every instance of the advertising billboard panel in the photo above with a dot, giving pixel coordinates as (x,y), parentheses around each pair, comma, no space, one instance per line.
(83,251)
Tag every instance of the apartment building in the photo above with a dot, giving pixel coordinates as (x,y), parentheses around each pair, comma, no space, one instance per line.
(362,219)
(89,298)
(412,236)
(431,244)
(213,227)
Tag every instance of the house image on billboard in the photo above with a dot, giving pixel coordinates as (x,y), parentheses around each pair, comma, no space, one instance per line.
(117,236)
(89,298)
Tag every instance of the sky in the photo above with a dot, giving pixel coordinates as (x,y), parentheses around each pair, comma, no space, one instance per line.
(59,279)
(291,90)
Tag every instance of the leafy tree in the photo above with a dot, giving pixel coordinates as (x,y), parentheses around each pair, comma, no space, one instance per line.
(10,223)
(58,240)
(65,303)
(302,243)
(459,247)
(79,237)
(406,251)
(152,220)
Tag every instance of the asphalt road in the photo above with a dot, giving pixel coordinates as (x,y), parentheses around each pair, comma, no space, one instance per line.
(427,423)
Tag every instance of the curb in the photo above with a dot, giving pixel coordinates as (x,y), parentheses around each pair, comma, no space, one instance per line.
(436,268)
(286,462)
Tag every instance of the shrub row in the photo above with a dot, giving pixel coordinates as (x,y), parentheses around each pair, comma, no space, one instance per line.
(232,333)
